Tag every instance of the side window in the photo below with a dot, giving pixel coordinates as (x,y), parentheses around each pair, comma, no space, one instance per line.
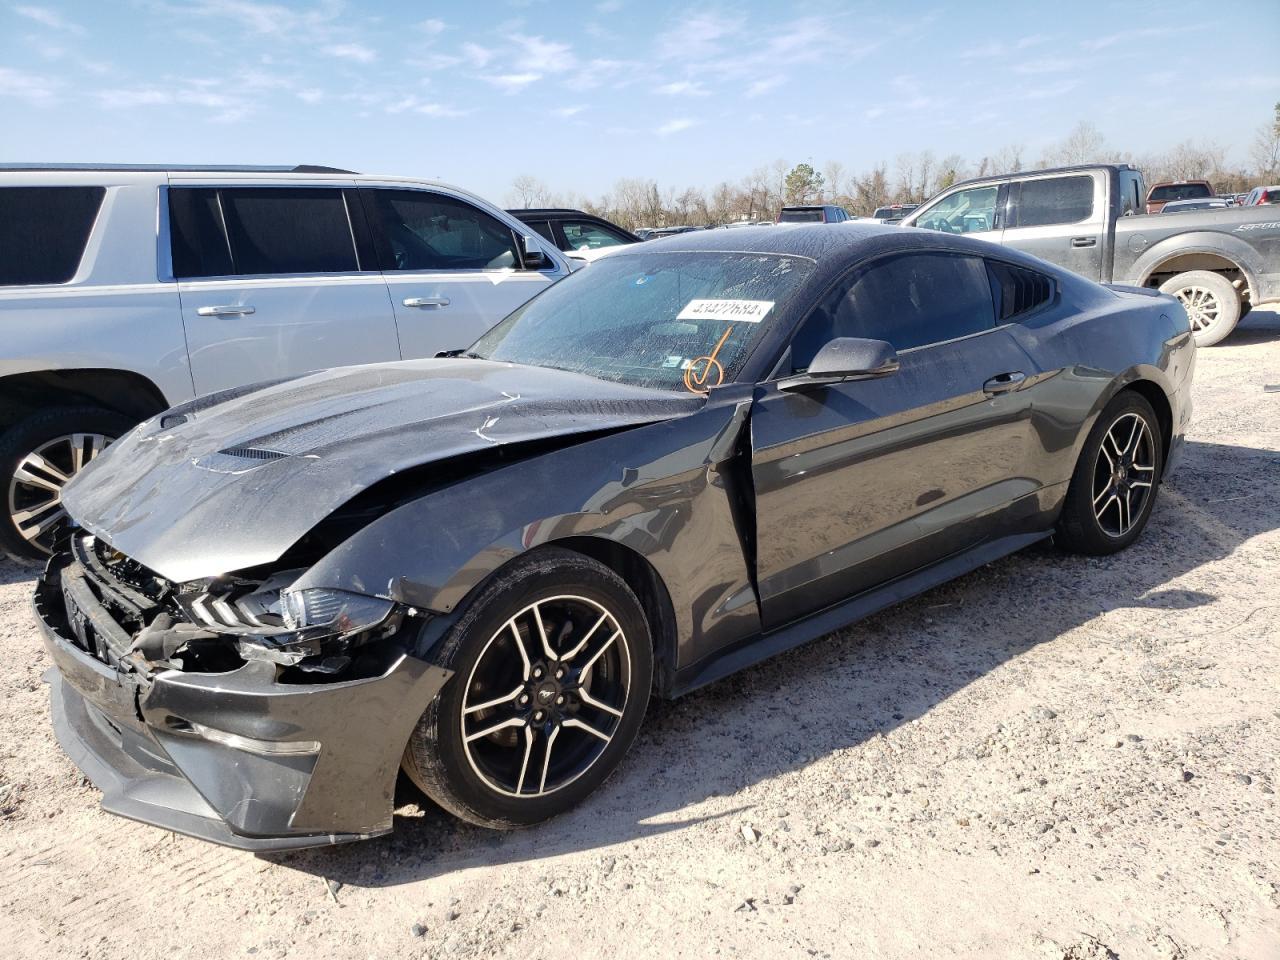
(1042,203)
(43,232)
(197,242)
(1016,290)
(427,231)
(542,228)
(910,301)
(591,236)
(965,211)
(1130,201)
(288,230)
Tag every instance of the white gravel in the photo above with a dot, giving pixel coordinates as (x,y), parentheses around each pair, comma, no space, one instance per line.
(1052,757)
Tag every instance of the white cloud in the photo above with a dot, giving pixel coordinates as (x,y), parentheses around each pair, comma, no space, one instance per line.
(477,55)
(543,56)
(27,86)
(311,95)
(567,112)
(875,112)
(682,88)
(763,86)
(674,126)
(432,26)
(414,105)
(1047,65)
(697,37)
(609,6)
(356,52)
(49,18)
(512,82)
(275,19)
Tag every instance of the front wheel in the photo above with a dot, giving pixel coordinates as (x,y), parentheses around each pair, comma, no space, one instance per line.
(552,668)
(1113,489)
(1211,301)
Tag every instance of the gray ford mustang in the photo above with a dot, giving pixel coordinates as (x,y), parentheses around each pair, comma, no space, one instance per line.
(692,455)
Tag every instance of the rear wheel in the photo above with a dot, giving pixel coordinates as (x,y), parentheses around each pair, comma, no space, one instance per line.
(38,456)
(1211,301)
(1113,489)
(552,668)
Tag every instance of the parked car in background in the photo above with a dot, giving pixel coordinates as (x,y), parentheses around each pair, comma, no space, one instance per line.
(1205,203)
(1239,198)
(1162,193)
(813,213)
(696,454)
(126,290)
(643,233)
(1089,219)
(575,232)
(892,213)
(1261,196)
(672,231)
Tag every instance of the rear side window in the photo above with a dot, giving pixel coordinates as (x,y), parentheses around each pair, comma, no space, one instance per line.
(43,232)
(909,301)
(1042,203)
(1180,191)
(543,229)
(1016,290)
(583,235)
(1130,195)
(257,231)
(800,216)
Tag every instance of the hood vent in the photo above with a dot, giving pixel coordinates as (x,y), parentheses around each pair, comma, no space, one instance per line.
(253,453)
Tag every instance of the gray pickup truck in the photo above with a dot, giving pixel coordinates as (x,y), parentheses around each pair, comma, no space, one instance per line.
(1089,219)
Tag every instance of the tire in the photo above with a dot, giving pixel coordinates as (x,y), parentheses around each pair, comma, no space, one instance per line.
(32,499)
(1094,521)
(1211,301)
(492,780)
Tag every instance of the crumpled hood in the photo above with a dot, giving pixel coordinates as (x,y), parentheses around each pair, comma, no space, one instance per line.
(239,480)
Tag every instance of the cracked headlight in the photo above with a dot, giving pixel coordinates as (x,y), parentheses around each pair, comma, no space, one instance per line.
(332,611)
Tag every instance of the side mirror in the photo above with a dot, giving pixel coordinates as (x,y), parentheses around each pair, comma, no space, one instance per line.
(532,256)
(845,358)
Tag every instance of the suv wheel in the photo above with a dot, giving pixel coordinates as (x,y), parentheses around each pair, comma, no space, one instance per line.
(1211,302)
(38,456)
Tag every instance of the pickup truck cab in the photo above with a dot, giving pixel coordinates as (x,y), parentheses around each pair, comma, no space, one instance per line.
(1090,220)
(125,290)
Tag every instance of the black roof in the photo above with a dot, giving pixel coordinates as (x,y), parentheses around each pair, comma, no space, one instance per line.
(177,167)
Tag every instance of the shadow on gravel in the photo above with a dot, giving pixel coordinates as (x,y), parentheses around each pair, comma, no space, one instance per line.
(847,687)
(11,572)
(1260,326)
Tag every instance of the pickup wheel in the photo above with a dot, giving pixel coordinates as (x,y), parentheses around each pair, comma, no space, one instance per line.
(38,456)
(1212,303)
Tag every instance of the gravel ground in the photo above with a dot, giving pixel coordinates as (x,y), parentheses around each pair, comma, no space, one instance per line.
(1052,757)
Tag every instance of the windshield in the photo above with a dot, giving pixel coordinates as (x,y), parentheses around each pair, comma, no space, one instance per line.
(676,321)
(801,216)
(1180,191)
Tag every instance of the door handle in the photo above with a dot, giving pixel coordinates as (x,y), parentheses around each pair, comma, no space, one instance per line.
(426,301)
(1003,383)
(1084,241)
(230,310)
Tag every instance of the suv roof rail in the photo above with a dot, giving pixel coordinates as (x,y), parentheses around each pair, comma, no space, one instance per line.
(181,167)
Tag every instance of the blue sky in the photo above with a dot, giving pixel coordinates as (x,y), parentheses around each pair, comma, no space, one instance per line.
(580,93)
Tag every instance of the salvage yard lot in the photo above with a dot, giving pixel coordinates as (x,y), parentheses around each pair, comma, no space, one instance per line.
(1051,757)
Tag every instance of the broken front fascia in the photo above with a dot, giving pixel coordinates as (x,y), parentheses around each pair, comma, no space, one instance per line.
(254,755)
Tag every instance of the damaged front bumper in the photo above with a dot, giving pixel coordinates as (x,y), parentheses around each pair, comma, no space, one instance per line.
(248,758)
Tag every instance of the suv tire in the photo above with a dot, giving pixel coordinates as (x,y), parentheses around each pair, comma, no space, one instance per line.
(38,455)
(1211,301)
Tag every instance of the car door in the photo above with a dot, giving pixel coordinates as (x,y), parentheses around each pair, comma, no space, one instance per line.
(975,211)
(1062,219)
(453,270)
(272,282)
(861,482)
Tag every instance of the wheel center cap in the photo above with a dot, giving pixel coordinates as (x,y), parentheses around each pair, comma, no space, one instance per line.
(546,693)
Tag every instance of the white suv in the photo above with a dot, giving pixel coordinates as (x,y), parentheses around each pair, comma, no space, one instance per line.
(126,290)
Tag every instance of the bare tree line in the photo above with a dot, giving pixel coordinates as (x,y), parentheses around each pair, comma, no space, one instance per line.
(913,177)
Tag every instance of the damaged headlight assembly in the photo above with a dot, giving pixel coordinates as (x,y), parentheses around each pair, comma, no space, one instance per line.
(314,618)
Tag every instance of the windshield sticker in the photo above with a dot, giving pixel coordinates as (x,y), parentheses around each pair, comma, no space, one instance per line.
(732,311)
(672,361)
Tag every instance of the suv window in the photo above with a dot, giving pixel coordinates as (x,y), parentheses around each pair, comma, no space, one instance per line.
(593,236)
(258,231)
(542,227)
(43,232)
(801,215)
(965,211)
(1042,203)
(1180,191)
(419,230)
(910,301)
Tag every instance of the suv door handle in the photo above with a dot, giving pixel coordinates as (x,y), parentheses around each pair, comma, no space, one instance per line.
(426,301)
(1084,241)
(1003,383)
(230,310)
